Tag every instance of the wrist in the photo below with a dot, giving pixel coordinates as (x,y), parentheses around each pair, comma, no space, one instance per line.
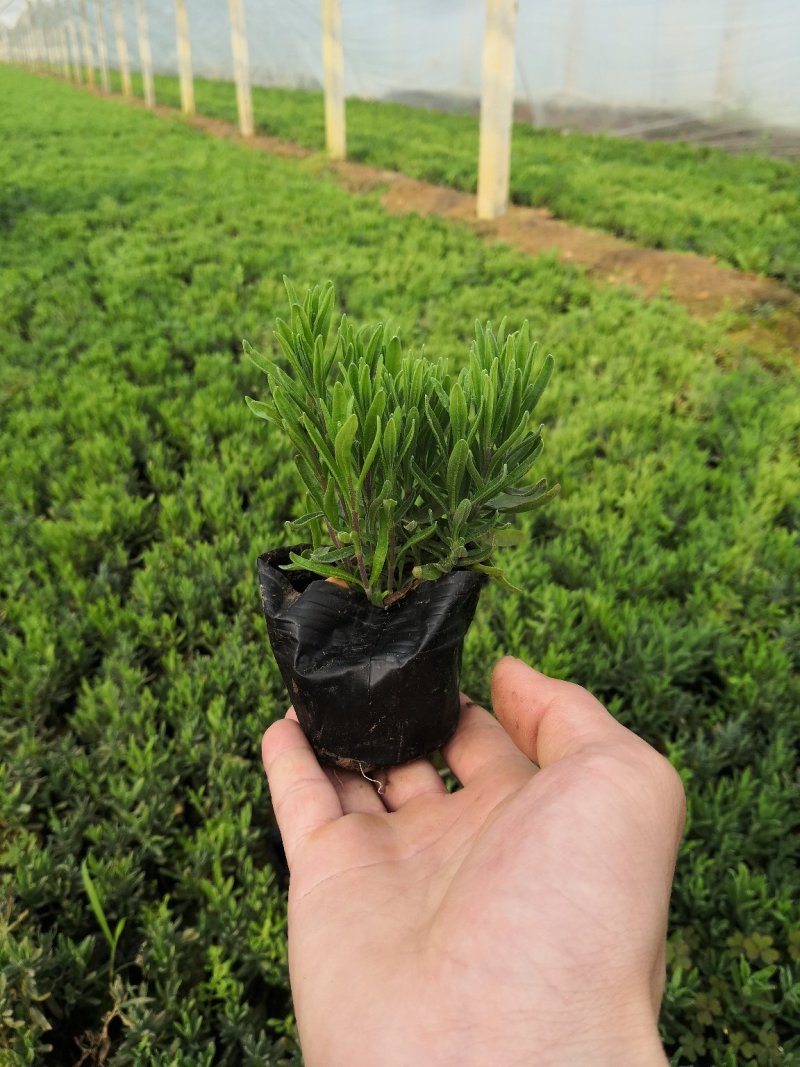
(614,1042)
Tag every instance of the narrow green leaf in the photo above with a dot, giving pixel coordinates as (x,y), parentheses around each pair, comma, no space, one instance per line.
(118,931)
(324,570)
(320,444)
(94,901)
(435,496)
(391,439)
(394,352)
(421,535)
(326,554)
(385,519)
(264,363)
(436,427)
(429,572)
(291,292)
(497,574)
(458,412)
(456,466)
(343,448)
(533,396)
(461,514)
(340,406)
(262,410)
(296,525)
(322,319)
(370,456)
(508,536)
(513,505)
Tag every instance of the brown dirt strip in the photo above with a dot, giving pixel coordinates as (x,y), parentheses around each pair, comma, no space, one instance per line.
(703,286)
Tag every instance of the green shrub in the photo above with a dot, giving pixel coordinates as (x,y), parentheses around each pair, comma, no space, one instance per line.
(743,210)
(135,676)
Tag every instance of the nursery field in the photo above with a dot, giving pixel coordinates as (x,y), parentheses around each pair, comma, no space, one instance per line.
(743,210)
(142,905)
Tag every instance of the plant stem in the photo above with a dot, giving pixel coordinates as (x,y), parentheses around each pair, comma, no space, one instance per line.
(362,570)
(392,554)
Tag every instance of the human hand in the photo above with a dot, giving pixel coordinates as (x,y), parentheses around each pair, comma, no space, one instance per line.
(519,920)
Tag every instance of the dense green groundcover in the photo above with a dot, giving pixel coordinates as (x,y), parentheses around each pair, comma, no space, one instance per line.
(137,491)
(745,210)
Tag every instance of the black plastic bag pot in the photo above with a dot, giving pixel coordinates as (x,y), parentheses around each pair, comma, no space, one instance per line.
(372,687)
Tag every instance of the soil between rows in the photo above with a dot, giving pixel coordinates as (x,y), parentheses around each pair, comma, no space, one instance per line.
(700,284)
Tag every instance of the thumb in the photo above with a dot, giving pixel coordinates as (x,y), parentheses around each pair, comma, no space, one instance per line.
(548,719)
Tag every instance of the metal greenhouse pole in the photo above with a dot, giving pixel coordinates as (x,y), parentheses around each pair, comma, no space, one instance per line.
(145,55)
(184,57)
(497,106)
(241,67)
(333,64)
(122,49)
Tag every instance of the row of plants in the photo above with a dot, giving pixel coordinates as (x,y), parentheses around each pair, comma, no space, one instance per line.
(743,210)
(143,886)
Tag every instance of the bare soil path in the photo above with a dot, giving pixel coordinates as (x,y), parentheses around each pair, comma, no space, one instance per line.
(766,314)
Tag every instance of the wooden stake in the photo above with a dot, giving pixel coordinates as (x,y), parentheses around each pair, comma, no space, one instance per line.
(88,58)
(497,107)
(725,88)
(74,47)
(333,64)
(184,57)
(241,67)
(49,53)
(63,49)
(122,49)
(102,51)
(145,55)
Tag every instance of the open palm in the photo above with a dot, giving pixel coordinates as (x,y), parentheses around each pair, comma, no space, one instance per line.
(519,920)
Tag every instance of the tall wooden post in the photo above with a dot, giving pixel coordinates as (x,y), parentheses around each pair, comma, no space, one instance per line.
(333,64)
(63,49)
(184,57)
(497,108)
(145,55)
(49,58)
(72,36)
(102,50)
(36,36)
(88,58)
(122,49)
(241,67)
(725,88)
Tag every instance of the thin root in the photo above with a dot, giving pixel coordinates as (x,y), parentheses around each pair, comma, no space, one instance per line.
(375,781)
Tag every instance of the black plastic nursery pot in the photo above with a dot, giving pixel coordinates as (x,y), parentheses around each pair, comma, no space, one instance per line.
(372,687)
